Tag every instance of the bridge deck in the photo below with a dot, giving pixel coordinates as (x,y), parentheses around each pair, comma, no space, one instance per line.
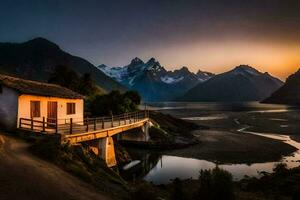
(102,133)
(88,128)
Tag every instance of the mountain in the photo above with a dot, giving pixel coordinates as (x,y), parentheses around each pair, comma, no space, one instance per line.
(36,59)
(243,83)
(289,93)
(153,81)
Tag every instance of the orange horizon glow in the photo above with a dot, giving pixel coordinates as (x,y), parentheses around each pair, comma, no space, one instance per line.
(280,60)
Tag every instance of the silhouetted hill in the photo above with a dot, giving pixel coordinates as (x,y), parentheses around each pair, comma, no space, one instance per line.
(243,83)
(36,60)
(289,93)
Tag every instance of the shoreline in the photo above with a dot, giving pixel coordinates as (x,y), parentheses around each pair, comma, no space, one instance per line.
(223,143)
(234,148)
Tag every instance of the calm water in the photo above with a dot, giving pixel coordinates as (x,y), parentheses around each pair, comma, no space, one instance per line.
(215,106)
(160,169)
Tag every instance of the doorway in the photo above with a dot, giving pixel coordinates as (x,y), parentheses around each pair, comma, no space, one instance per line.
(52,113)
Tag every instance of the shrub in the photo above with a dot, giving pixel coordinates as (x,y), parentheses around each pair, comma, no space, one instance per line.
(280,168)
(215,184)
(65,76)
(179,191)
(114,103)
(144,191)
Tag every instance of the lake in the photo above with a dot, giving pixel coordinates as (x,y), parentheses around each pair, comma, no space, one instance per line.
(160,169)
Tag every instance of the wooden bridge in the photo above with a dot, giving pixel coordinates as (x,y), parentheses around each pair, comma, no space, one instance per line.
(96,132)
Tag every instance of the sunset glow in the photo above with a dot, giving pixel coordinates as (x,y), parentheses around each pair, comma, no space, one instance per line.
(210,35)
(277,59)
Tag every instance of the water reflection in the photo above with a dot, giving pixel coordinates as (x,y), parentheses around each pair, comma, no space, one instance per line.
(217,106)
(160,169)
(147,161)
(170,167)
(205,118)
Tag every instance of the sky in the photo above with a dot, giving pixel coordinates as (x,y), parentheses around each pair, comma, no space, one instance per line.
(208,35)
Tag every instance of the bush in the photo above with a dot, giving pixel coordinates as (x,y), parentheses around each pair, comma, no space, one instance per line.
(281,182)
(67,77)
(179,191)
(280,169)
(216,184)
(144,191)
(114,103)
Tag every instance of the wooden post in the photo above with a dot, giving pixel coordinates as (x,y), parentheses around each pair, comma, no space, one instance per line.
(112,121)
(43,124)
(119,121)
(71,125)
(56,126)
(31,123)
(95,124)
(20,123)
(102,123)
(87,124)
(125,118)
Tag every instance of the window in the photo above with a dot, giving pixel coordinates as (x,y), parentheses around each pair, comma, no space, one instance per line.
(70,108)
(35,108)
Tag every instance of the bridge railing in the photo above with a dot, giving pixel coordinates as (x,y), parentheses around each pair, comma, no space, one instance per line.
(75,125)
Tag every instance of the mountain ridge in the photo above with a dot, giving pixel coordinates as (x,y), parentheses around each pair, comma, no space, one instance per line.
(36,59)
(243,83)
(153,81)
(288,93)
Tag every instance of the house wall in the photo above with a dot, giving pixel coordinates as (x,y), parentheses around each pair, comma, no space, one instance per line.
(24,108)
(8,108)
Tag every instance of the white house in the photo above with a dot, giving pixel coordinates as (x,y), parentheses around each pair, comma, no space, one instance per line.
(32,100)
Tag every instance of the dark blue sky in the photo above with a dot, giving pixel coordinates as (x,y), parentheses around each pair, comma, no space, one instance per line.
(205,34)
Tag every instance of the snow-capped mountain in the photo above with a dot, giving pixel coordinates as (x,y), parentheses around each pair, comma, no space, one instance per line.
(243,83)
(153,81)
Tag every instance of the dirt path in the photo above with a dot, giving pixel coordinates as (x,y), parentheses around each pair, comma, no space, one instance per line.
(24,176)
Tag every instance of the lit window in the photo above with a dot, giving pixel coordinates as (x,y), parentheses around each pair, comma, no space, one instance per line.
(35,108)
(70,108)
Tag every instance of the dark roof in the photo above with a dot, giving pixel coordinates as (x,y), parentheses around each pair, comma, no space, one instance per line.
(38,88)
